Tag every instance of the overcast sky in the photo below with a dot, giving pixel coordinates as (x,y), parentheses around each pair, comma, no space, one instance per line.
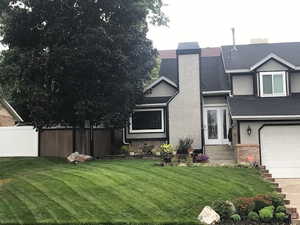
(209,22)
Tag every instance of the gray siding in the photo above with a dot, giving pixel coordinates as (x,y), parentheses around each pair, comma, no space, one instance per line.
(242,85)
(272,65)
(214,100)
(295,82)
(161,90)
(145,135)
(185,108)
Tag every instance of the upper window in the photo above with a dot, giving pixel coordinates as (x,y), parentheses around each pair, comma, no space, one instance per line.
(272,84)
(147,121)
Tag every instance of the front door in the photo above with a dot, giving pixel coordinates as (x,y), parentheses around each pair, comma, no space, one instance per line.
(216,125)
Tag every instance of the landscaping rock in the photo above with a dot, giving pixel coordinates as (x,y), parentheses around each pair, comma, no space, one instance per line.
(76,157)
(209,216)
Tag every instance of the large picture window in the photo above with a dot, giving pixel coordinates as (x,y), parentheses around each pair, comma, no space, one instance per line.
(147,121)
(273,84)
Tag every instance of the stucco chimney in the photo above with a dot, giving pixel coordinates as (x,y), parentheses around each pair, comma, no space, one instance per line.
(185,108)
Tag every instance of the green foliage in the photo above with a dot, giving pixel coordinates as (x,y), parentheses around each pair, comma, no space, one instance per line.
(261,201)
(244,206)
(266,214)
(77,60)
(125,148)
(235,218)
(280,216)
(184,145)
(224,208)
(280,208)
(276,199)
(253,216)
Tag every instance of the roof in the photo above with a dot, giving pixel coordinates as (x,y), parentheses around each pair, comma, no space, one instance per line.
(247,56)
(213,77)
(154,100)
(156,82)
(11,110)
(188,46)
(249,106)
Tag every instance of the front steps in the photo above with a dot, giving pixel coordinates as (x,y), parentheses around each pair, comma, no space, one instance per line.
(220,154)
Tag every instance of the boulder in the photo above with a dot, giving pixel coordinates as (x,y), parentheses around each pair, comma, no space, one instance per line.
(209,216)
(76,157)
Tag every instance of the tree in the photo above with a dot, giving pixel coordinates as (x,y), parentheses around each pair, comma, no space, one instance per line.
(69,61)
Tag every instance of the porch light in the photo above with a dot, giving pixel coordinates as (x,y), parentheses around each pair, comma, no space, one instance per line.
(249,130)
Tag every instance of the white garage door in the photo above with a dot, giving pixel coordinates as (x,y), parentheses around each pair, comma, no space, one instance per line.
(280,150)
(18,141)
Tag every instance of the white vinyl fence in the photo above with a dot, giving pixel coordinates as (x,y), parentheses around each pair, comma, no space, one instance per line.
(18,142)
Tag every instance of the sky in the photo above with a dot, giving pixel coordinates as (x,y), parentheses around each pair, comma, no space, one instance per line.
(210,21)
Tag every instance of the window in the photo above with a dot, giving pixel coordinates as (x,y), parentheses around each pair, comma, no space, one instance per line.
(273,84)
(147,121)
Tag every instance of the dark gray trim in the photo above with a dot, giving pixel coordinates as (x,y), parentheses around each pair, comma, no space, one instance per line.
(201,106)
(238,132)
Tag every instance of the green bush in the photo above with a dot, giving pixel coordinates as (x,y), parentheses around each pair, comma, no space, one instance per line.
(261,201)
(280,209)
(244,206)
(224,208)
(253,216)
(184,146)
(266,214)
(235,218)
(124,149)
(281,217)
(276,199)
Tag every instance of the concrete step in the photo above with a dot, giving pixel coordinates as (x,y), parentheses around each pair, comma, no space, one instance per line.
(222,162)
(296,222)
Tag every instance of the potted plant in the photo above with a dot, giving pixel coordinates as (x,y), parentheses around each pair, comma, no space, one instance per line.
(167,152)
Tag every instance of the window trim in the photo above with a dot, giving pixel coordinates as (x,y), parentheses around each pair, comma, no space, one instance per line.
(284,75)
(162,130)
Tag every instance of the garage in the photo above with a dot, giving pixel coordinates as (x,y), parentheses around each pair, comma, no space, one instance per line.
(280,150)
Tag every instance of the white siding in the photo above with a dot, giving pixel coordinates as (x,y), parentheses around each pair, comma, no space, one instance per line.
(18,142)
(161,90)
(185,108)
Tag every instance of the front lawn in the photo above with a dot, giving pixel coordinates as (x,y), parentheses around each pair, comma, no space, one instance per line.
(39,191)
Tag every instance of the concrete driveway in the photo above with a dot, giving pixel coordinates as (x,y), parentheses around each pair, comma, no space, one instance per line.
(291,187)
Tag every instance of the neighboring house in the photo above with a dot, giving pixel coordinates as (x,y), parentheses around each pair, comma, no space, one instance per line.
(202,93)
(8,116)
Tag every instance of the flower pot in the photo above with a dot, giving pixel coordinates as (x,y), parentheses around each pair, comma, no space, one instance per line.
(157,153)
(131,153)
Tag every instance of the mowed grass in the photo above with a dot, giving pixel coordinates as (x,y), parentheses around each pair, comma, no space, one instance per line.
(43,190)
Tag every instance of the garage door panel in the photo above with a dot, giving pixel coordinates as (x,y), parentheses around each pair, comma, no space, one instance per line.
(280,150)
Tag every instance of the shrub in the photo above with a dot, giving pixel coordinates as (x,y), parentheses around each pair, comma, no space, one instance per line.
(235,218)
(184,146)
(266,214)
(280,209)
(261,201)
(124,149)
(281,217)
(276,199)
(224,208)
(167,148)
(253,216)
(244,206)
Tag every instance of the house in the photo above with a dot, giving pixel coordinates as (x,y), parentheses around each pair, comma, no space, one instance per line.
(8,116)
(250,91)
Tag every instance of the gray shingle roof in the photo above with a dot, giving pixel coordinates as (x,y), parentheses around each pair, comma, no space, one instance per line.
(257,106)
(248,55)
(154,100)
(213,77)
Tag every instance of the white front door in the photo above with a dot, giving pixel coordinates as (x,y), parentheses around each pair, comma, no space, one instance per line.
(216,125)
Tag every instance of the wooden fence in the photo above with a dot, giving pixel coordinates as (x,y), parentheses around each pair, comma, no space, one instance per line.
(62,142)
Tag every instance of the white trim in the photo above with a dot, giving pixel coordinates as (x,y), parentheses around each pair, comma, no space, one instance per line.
(216,92)
(267,117)
(131,131)
(158,81)
(283,94)
(261,62)
(12,110)
(272,56)
(214,105)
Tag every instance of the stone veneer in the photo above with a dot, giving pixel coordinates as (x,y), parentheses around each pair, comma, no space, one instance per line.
(137,146)
(247,153)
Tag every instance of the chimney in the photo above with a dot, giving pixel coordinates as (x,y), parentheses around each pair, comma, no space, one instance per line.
(185,108)
(233,39)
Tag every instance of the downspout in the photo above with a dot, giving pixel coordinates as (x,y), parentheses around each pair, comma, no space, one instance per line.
(124,138)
